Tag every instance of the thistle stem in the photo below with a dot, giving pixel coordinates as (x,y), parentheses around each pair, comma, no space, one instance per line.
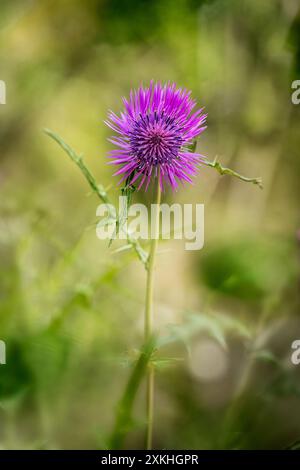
(149,311)
(227,171)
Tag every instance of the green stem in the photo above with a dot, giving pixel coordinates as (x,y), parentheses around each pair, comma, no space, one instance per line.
(227,171)
(149,313)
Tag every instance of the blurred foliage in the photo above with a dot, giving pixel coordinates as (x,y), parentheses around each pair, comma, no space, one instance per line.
(251,269)
(70,306)
(16,377)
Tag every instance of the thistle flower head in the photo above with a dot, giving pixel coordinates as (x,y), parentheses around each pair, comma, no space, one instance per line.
(155,130)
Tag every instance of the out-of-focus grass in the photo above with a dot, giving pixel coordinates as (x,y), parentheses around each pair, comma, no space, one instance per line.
(70,309)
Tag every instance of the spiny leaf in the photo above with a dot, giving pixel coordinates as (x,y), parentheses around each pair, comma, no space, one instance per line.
(227,171)
(126,192)
(164,363)
(98,189)
(213,324)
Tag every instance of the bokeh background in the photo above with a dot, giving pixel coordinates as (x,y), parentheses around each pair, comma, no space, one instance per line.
(71,309)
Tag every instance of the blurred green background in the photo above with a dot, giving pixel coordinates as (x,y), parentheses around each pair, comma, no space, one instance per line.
(71,310)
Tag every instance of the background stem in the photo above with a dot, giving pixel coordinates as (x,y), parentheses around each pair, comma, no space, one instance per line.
(149,311)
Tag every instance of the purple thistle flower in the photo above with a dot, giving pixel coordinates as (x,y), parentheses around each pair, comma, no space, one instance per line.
(155,130)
